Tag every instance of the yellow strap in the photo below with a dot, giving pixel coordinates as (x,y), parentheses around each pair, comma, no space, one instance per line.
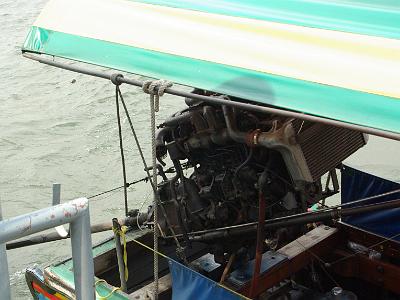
(163,255)
(151,249)
(100,297)
(121,233)
(124,229)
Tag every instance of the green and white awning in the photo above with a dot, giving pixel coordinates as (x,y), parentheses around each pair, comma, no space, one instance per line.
(336,59)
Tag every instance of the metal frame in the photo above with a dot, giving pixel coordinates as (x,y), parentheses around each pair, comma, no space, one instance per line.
(215,100)
(75,212)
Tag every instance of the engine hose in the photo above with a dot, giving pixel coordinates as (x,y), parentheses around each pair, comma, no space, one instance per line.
(234,134)
(160,143)
(175,120)
(249,157)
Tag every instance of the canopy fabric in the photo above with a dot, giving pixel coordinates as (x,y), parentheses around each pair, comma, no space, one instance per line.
(188,284)
(336,59)
(359,185)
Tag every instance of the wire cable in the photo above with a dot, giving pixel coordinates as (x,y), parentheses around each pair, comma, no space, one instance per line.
(391,238)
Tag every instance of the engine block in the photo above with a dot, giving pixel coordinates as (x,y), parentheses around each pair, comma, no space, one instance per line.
(219,154)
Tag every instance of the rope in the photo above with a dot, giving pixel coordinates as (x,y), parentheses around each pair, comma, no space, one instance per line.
(392,238)
(101,297)
(322,263)
(156,90)
(154,187)
(362,200)
(149,248)
(136,138)
(156,252)
(122,234)
(128,184)
(121,145)
(139,213)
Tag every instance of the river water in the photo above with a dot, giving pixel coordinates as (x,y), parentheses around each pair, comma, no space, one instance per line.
(58,126)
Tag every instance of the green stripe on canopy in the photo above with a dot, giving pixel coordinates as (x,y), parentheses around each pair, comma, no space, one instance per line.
(370,17)
(342,104)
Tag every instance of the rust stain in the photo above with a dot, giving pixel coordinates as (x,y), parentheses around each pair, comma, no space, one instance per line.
(76,207)
(29,226)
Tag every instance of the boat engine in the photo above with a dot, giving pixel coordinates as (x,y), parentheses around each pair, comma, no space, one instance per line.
(219,154)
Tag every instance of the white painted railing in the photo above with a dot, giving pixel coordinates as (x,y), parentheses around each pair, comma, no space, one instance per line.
(76,213)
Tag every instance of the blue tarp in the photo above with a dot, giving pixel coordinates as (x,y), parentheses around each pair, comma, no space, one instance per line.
(357,185)
(188,284)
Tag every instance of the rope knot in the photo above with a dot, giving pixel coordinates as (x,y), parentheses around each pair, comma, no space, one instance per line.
(115,78)
(156,89)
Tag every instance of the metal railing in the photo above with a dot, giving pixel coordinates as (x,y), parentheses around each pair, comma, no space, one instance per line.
(216,100)
(76,213)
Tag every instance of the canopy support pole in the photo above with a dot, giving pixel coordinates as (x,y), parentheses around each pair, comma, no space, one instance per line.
(220,101)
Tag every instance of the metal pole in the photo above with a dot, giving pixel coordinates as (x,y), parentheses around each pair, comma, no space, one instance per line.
(259,245)
(120,258)
(75,212)
(54,236)
(82,257)
(56,193)
(4,275)
(215,100)
(57,200)
(293,220)
(43,219)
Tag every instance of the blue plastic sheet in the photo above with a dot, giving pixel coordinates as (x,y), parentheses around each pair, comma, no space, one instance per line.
(357,185)
(188,284)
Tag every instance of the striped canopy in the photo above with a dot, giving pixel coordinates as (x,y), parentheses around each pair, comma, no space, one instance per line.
(337,59)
